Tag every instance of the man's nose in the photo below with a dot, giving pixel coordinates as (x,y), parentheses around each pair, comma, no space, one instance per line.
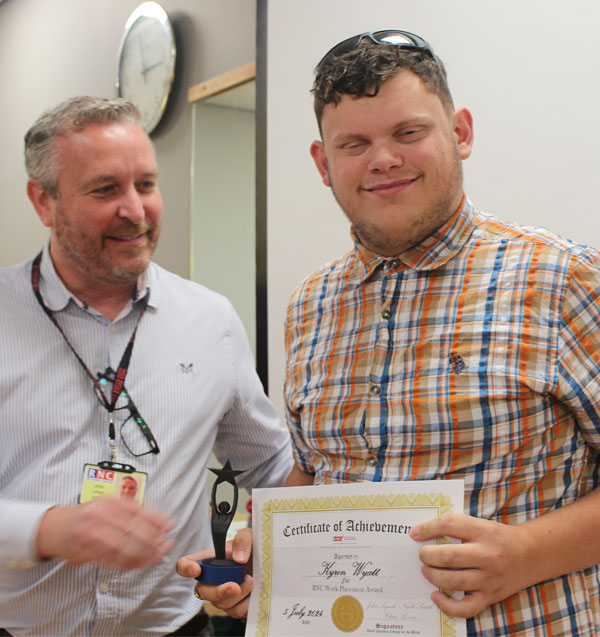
(131,207)
(384,157)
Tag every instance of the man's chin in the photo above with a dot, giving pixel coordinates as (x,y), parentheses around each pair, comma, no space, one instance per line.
(126,273)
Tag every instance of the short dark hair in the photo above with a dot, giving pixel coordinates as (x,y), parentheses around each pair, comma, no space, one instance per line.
(73,114)
(362,71)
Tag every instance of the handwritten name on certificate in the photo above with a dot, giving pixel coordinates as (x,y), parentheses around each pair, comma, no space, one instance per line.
(337,559)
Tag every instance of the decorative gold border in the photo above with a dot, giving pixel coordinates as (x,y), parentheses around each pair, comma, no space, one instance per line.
(440,503)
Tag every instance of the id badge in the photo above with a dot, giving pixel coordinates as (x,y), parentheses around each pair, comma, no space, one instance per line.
(112,479)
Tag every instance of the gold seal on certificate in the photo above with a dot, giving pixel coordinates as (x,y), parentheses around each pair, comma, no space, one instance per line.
(347,613)
(339,559)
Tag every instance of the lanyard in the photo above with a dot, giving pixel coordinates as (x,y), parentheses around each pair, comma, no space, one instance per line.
(121,372)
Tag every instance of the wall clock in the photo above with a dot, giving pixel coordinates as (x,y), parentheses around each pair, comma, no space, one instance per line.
(146,66)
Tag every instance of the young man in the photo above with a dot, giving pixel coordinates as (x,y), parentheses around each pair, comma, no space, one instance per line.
(447,344)
(88,327)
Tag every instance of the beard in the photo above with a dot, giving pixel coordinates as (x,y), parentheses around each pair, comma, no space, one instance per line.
(91,256)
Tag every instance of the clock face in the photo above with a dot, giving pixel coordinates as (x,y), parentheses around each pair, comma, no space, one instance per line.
(147,62)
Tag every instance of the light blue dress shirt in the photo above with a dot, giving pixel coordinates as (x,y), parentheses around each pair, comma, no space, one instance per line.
(192,378)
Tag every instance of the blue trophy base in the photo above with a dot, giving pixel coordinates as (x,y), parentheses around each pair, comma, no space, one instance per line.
(216,572)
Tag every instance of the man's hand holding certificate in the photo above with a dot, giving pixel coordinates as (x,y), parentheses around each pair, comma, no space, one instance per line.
(339,559)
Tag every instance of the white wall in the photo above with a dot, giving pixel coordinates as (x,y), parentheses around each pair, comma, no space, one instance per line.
(527,70)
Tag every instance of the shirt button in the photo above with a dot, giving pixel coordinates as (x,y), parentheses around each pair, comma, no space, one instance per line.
(104,587)
(395,263)
(375,389)
(386,313)
(371,461)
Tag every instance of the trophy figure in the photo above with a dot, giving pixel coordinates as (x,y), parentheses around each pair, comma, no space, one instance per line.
(218,570)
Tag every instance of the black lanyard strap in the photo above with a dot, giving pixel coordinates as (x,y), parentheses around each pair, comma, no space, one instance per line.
(123,368)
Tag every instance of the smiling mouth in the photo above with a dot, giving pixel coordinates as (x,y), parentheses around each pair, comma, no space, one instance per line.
(137,236)
(128,239)
(391,187)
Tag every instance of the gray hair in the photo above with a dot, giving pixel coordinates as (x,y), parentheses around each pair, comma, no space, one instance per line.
(72,115)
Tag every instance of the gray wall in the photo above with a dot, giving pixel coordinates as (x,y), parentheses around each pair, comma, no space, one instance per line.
(52,49)
(223,204)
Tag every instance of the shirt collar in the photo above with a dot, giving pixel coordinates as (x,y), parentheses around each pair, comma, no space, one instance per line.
(433,252)
(57,296)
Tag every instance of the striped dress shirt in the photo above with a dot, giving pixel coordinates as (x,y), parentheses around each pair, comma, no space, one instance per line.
(192,378)
(474,355)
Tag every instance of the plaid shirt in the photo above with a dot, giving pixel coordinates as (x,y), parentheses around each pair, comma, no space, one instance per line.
(474,355)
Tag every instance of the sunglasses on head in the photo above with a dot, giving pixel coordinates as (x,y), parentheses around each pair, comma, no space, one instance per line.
(395,37)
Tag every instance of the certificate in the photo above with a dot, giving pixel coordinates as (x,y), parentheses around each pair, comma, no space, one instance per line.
(336,559)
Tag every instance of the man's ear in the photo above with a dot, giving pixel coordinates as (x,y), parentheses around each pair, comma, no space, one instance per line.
(462,125)
(317,152)
(43,203)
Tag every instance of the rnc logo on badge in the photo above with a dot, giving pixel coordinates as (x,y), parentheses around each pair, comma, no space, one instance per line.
(101,475)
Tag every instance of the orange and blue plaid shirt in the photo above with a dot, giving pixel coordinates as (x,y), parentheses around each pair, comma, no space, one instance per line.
(474,355)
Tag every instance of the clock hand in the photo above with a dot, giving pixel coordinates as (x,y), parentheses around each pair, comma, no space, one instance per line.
(149,68)
(141,41)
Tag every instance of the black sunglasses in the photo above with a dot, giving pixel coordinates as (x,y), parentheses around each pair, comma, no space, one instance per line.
(395,37)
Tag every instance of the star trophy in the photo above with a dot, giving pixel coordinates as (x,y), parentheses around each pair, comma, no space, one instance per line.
(218,570)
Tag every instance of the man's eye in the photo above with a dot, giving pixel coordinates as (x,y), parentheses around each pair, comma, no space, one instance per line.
(103,190)
(411,134)
(354,145)
(146,186)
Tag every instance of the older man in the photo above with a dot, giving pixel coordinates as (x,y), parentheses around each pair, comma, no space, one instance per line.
(113,366)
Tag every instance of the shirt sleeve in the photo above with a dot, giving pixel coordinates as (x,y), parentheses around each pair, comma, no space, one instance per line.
(19,523)
(251,435)
(302,451)
(579,348)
